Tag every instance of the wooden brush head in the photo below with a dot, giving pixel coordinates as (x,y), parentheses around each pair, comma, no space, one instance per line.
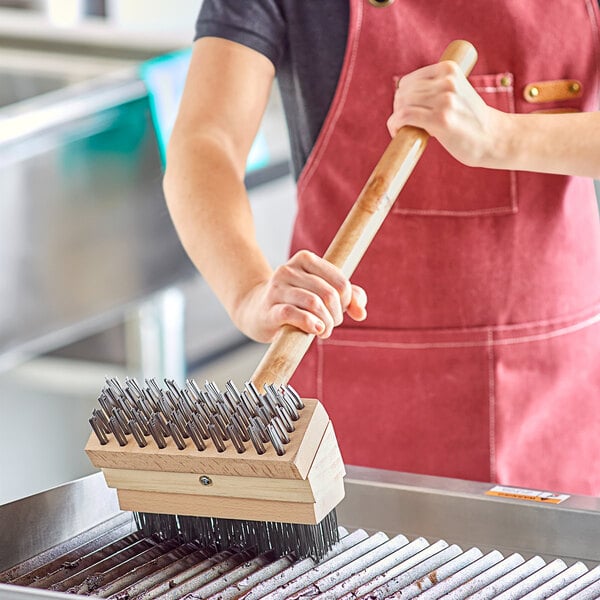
(301,486)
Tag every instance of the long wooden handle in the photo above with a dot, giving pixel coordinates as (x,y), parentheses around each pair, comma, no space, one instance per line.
(360,226)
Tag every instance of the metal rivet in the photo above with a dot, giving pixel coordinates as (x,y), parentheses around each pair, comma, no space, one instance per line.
(574,87)
(534,91)
(204,480)
(381,3)
(505,81)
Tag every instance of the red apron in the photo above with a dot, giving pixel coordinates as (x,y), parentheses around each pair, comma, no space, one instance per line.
(480,357)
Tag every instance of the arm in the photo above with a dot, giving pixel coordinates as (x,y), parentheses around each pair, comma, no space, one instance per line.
(439,98)
(223,102)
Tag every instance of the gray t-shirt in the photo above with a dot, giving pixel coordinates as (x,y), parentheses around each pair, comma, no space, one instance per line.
(304,39)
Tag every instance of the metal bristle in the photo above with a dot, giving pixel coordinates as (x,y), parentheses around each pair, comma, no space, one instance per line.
(282,538)
(227,420)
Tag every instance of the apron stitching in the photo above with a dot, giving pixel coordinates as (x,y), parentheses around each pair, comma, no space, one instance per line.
(494,89)
(497,342)
(338,108)
(462,213)
(551,334)
(491,404)
(513,174)
(319,370)
(555,321)
(591,8)
(513,191)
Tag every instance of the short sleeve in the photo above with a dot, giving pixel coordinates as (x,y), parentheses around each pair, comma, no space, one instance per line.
(258,24)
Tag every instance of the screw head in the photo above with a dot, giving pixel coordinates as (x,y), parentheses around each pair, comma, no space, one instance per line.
(204,480)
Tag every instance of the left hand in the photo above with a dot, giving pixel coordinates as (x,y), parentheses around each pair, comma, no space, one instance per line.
(439,99)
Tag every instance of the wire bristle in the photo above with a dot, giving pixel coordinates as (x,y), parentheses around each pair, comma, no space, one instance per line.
(230,420)
(282,538)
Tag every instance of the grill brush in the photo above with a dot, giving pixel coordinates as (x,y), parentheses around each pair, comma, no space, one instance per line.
(263,470)
(259,467)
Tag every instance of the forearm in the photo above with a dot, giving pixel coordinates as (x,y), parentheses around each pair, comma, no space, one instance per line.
(209,206)
(566,143)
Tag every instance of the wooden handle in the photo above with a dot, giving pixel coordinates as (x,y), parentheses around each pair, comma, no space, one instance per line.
(360,226)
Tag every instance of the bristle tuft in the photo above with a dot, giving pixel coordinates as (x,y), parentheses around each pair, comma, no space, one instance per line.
(282,538)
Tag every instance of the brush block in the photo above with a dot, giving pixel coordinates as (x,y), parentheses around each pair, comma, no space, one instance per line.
(302,486)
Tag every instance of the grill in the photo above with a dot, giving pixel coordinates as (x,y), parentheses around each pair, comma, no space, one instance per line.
(541,551)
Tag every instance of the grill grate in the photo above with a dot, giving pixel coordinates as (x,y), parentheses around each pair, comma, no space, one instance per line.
(122,565)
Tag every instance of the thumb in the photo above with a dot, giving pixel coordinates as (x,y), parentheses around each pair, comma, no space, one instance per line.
(357,308)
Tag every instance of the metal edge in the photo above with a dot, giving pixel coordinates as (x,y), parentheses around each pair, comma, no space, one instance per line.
(13,592)
(75,101)
(460,512)
(35,524)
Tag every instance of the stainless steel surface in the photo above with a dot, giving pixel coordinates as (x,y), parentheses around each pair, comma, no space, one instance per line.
(84,232)
(13,592)
(460,511)
(31,526)
(377,564)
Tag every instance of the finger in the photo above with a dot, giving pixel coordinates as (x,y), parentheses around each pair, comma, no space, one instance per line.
(287,314)
(433,71)
(322,278)
(311,302)
(307,292)
(315,265)
(417,116)
(311,292)
(427,72)
(424,93)
(357,307)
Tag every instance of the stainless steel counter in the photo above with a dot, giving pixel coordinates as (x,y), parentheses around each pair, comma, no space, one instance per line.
(84,230)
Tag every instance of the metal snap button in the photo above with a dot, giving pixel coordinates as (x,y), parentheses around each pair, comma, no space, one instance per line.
(505,81)
(381,3)
(574,87)
(534,92)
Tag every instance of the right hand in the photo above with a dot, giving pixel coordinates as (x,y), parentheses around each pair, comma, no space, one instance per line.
(307,292)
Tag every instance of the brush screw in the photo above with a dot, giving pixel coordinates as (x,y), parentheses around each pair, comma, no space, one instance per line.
(205,480)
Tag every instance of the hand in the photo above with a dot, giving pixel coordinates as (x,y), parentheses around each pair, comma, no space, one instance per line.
(307,292)
(439,99)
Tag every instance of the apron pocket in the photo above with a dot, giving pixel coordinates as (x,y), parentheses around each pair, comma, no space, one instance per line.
(409,401)
(442,186)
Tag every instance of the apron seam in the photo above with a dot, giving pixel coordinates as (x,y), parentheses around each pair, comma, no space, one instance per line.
(503,210)
(578,316)
(492,404)
(470,344)
(593,12)
(550,334)
(319,373)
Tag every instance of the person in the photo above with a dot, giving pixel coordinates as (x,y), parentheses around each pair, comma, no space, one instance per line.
(480,355)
